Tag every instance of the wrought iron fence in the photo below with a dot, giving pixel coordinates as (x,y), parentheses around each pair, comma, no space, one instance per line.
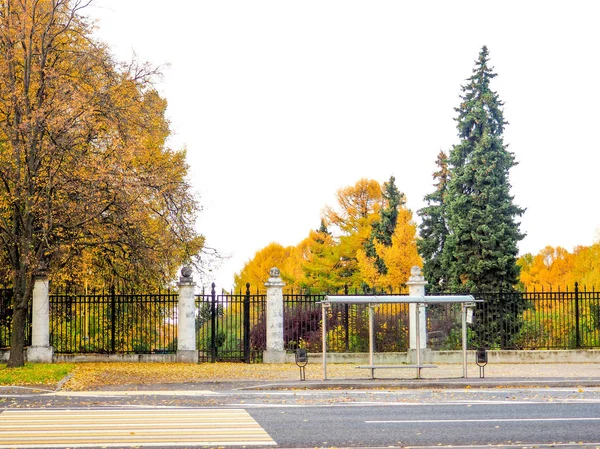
(230,327)
(347,324)
(107,322)
(233,326)
(521,320)
(6,318)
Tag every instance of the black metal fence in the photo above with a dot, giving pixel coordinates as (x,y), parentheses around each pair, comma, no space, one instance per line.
(107,322)
(233,326)
(229,326)
(6,318)
(347,324)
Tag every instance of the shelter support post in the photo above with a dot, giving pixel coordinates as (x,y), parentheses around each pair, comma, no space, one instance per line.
(418,338)
(464,339)
(371,339)
(324,337)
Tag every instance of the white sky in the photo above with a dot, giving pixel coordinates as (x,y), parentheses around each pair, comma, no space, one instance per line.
(281,103)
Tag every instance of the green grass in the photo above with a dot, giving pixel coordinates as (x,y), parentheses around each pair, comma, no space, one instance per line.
(35,374)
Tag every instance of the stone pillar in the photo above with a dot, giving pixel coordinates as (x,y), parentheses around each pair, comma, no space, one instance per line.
(275,352)
(186,318)
(40,350)
(416,287)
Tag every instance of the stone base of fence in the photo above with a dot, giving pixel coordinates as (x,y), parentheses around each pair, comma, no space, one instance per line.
(274,357)
(126,358)
(187,356)
(40,354)
(428,356)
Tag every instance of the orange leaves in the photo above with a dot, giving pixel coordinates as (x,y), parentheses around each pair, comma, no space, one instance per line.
(399,258)
(334,256)
(554,268)
(84,156)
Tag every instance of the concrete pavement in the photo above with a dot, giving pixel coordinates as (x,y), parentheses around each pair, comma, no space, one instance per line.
(272,377)
(505,375)
(447,376)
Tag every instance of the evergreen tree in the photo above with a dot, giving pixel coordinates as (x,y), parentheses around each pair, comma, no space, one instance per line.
(433,229)
(480,253)
(383,229)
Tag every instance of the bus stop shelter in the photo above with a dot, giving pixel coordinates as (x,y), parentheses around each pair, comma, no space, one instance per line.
(371,301)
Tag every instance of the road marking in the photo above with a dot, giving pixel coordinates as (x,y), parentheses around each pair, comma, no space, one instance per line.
(174,427)
(442,421)
(134,393)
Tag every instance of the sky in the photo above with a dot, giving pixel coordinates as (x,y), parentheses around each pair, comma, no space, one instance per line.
(279,104)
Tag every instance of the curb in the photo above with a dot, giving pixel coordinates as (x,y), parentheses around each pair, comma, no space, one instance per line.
(334,384)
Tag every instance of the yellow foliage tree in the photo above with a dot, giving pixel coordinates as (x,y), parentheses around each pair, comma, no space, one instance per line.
(256,270)
(551,268)
(351,225)
(318,257)
(586,266)
(399,258)
(83,168)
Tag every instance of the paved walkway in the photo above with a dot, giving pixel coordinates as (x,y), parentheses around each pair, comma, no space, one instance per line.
(346,376)
(270,377)
(445,376)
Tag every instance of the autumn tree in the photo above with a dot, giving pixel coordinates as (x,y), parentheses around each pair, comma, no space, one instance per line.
(399,256)
(433,230)
(318,260)
(351,224)
(85,177)
(586,266)
(480,251)
(256,270)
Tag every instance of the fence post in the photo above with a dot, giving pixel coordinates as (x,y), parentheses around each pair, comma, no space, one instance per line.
(213,324)
(577,333)
(416,287)
(40,349)
(275,352)
(186,318)
(346,320)
(247,324)
(113,319)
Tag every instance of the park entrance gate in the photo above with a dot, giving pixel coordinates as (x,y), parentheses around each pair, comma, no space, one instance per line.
(227,325)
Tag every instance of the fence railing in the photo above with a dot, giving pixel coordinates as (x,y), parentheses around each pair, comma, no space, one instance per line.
(6,318)
(233,326)
(107,322)
(230,326)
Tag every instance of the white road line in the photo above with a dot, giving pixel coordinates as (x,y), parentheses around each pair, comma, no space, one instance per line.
(442,421)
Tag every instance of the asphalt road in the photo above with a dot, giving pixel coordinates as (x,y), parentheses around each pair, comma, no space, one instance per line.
(529,417)
(431,425)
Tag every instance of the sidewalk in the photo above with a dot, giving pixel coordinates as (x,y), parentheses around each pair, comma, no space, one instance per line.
(238,376)
(444,376)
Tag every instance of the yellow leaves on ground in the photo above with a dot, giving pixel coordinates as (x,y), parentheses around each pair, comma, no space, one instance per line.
(96,375)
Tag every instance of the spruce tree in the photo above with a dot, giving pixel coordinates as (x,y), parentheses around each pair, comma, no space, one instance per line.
(433,229)
(481,250)
(383,229)
(480,254)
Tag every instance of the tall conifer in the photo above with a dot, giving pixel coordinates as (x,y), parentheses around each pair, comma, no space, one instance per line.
(433,229)
(481,249)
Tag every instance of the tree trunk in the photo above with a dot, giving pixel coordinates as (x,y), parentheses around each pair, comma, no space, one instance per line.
(17,342)
(22,294)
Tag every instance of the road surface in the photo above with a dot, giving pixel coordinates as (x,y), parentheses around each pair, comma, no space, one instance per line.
(531,417)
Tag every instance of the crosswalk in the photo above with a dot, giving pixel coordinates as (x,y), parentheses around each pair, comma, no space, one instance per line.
(132,427)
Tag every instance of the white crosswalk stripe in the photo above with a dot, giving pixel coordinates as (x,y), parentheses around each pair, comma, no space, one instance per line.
(164,427)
